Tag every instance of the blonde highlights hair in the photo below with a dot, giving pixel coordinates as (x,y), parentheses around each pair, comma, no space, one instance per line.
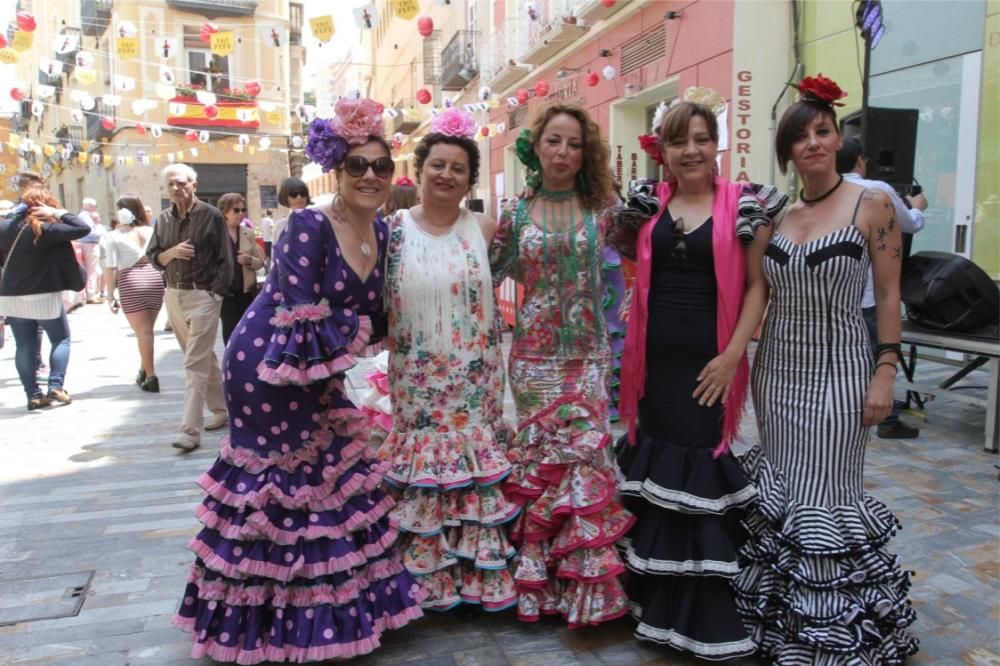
(594,179)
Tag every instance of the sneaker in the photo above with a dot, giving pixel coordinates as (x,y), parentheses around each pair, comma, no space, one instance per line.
(151,384)
(59,395)
(897,430)
(217,421)
(185,442)
(38,403)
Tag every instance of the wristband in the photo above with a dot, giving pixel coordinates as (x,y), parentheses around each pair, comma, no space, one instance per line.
(891,365)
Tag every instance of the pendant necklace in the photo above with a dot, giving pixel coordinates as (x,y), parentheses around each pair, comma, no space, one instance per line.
(553,195)
(366,249)
(802,193)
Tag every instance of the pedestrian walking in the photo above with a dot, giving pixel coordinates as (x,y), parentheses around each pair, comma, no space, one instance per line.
(90,249)
(294,195)
(190,245)
(249,259)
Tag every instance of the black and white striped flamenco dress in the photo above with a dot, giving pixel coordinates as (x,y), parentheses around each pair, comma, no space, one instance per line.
(815,585)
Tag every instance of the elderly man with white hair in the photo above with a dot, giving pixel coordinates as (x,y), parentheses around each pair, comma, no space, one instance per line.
(190,245)
(90,252)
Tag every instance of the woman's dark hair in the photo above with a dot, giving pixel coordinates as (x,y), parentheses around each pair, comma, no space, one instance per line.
(134,206)
(292,185)
(228,201)
(675,125)
(434,138)
(794,122)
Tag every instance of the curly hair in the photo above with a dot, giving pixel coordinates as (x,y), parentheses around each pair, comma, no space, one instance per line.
(133,205)
(468,145)
(594,178)
(33,198)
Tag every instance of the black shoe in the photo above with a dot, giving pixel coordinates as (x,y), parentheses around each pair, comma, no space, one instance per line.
(140,377)
(38,403)
(151,384)
(897,430)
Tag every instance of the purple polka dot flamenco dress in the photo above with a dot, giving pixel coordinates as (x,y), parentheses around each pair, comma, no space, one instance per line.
(296,560)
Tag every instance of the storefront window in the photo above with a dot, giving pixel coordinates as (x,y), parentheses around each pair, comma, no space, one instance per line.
(918,31)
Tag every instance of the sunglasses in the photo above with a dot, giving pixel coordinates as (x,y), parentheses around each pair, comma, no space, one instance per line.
(357,166)
(298,193)
(238,210)
(677,235)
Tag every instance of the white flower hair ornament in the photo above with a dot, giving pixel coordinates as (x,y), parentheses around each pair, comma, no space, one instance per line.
(454,122)
(658,116)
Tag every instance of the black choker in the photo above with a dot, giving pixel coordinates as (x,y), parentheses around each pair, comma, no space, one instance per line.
(802,193)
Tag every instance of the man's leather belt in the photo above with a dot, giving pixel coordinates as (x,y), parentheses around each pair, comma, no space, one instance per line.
(191,285)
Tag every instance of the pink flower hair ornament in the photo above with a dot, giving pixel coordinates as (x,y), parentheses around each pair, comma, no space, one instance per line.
(357,119)
(454,122)
(404,181)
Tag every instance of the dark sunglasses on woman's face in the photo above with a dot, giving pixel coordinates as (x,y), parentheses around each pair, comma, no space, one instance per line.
(357,166)
(298,193)
(238,210)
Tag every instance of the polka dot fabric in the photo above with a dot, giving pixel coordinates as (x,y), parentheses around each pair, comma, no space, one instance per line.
(296,560)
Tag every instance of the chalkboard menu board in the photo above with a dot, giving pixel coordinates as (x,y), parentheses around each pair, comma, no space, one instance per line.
(268,197)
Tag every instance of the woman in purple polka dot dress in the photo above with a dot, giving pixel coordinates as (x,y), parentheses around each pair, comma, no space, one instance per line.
(296,561)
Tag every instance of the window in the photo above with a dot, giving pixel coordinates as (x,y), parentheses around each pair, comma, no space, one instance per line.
(205,69)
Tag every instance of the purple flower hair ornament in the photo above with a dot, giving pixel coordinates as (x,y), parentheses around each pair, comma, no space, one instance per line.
(353,122)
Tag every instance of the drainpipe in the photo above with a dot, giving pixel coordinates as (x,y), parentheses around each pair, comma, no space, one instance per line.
(795,76)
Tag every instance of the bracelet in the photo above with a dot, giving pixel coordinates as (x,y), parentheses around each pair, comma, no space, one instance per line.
(892,365)
(888,346)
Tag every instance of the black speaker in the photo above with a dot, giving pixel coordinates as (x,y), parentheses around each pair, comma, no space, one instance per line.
(947,292)
(890,143)
(476,205)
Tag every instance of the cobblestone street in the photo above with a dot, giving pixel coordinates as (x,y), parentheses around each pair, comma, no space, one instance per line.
(92,496)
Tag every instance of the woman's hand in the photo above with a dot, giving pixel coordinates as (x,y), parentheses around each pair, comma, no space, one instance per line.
(46,212)
(114,305)
(244,259)
(715,380)
(878,399)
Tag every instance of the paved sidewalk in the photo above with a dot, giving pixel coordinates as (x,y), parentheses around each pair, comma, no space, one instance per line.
(94,486)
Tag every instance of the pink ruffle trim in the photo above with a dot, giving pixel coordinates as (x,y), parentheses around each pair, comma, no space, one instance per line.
(298,568)
(257,525)
(287,373)
(287,317)
(214,650)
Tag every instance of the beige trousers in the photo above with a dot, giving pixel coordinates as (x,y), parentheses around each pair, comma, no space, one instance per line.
(194,316)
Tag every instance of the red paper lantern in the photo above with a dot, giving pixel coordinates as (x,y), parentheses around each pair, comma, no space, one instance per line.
(26,22)
(542,88)
(211,111)
(253,88)
(108,123)
(608,3)
(206,32)
(485,131)
(593,79)
(191,136)
(3,41)
(522,96)
(425,26)
(16,94)
(424,96)
(140,128)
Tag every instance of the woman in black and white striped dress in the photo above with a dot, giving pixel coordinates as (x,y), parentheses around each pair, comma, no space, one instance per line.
(816,586)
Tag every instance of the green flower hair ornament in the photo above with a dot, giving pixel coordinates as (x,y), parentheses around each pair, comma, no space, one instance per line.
(525,150)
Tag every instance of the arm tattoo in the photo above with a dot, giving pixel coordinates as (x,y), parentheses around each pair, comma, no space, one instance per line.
(897,252)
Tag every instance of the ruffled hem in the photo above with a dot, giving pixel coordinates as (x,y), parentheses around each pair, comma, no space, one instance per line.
(580,604)
(311,351)
(445,460)
(815,586)
(209,647)
(428,511)
(678,641)
(464,584)
(686,479)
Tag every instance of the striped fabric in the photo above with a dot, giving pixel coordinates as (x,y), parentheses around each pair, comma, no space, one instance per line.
(140,287)
(815,586)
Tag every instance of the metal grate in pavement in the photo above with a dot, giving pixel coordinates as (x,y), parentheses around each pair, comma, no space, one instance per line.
(43,598)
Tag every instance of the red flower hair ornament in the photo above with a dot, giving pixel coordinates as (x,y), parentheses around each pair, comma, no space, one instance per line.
(650,144)
(404,181)
(820,89)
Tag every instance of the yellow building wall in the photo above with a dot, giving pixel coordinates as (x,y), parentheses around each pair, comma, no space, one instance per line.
(986,248)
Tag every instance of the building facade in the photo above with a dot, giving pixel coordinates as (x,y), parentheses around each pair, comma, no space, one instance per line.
(145,86)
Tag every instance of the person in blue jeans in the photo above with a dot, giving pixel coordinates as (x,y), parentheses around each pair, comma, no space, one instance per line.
(37,253)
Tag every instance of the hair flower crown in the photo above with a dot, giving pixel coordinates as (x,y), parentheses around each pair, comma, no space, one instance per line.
(354,120)
(820,89)
(404,181)
(454,122)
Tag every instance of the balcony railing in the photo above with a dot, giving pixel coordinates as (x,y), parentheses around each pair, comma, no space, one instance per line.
(459,60)
(214,8)
(295,24)
(593,11)
(554,29)
(499,71)
(95,15)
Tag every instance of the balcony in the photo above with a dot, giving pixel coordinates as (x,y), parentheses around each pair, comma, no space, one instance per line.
(593,11)
(405,123)
(459,61)
(95,15)
(295,24)
(234,110)
(499,72)
(548,39)
(96,132)
(214,8)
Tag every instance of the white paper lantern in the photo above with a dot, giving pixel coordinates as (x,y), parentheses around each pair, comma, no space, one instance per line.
(264,143)
(296,141)
(608,72)
(87,103)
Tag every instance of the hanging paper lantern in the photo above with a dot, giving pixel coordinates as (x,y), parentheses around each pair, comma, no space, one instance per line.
(87,103)
(108,123)
(296,141)
(264,143)
(204,136)
(425,26)
(593,79)
(608,3)
(211,111)
(252,88)
(3,41)
(608,72)
(206,32)
(140,129)
(26,22)
(191,136)
(16,94)
(396,145)
(484,130)
(542,88)
(424,96)
(37,108)
(484,93)
(522,96)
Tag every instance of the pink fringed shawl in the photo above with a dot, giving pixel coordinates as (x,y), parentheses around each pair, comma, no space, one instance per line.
(729,259)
